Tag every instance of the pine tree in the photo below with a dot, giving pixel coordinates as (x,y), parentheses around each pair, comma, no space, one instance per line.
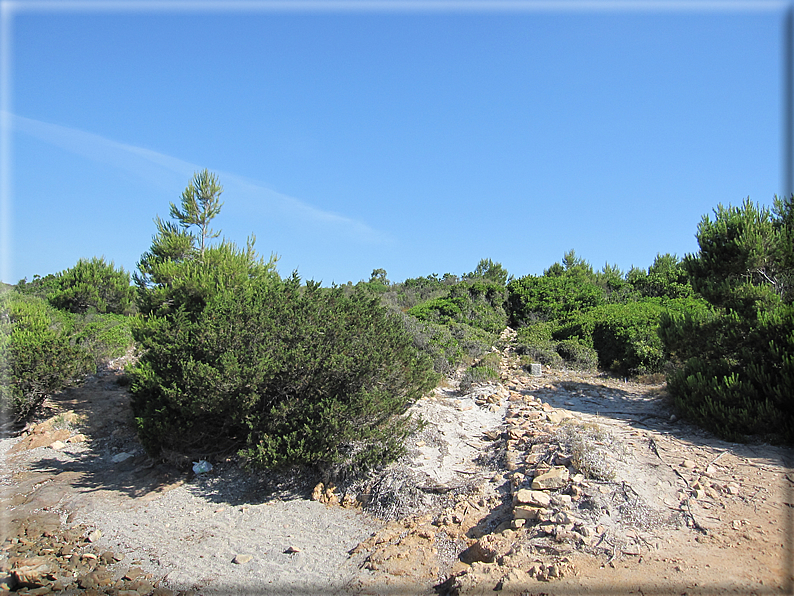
(200,205)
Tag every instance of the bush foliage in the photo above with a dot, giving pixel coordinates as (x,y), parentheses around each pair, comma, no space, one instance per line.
(93,285)
(289,375)
(477,302)
(105,337)
(37,357)
(736,372)
(236,356)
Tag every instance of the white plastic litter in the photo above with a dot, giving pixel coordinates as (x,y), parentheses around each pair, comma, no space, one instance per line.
(201,466)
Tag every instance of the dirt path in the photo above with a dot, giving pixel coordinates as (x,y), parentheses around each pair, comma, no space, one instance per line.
(84,508)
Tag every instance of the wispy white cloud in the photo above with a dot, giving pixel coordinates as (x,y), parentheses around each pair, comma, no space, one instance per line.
(167,171)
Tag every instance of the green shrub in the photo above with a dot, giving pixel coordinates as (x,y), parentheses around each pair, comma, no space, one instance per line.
(478,303)
(437,341)
(577,355)
(40,287)
(534,344)
(439,310)
(234,357)
(473,341)
(743,383)
(543,352)
(666,278)
(478,374)
(448,346)
(547,298)
(404,296)
(535,332)
(36,356)
(490,271)
(105,336)
(626,336)
(288,375)
(735,372)
(93,285)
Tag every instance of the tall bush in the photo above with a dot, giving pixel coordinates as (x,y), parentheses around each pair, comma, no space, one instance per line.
(736,375)
(234,357)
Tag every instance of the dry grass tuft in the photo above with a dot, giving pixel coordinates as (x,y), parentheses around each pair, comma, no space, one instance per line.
(592,448)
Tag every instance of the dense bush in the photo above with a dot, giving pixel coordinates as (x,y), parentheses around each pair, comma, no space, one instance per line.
(288,375)
(478,303)
(577,354)
(736,372)
(40,287)
(414,291)
(532,298)
(448,346)
(536,343)
(625,336)
(37,358)
(666,278)
(93,285)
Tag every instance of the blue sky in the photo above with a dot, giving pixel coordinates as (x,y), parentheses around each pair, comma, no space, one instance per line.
(417,140)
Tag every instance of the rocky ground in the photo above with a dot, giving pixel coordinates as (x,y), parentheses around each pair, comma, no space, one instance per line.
(559,484)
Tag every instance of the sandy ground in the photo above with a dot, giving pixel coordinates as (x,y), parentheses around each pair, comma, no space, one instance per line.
(230,532)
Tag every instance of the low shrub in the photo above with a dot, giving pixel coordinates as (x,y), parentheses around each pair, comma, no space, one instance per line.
(476,303)
(546,298)
(477,374)
(104,336)
(592,448)
(37,358)
(486,369)
(545,354)
(626,336)
(448,346)
(288,375)
(577,355)
(93,285)
(438,342)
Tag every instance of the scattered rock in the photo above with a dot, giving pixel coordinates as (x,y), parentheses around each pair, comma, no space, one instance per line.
(133,574)
(536,498)
(555,478)
(241,559)
(120,457)
(30,572)
(527,513)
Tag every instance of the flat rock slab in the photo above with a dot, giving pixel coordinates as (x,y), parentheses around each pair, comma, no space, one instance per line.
(536,498)
(555,478)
